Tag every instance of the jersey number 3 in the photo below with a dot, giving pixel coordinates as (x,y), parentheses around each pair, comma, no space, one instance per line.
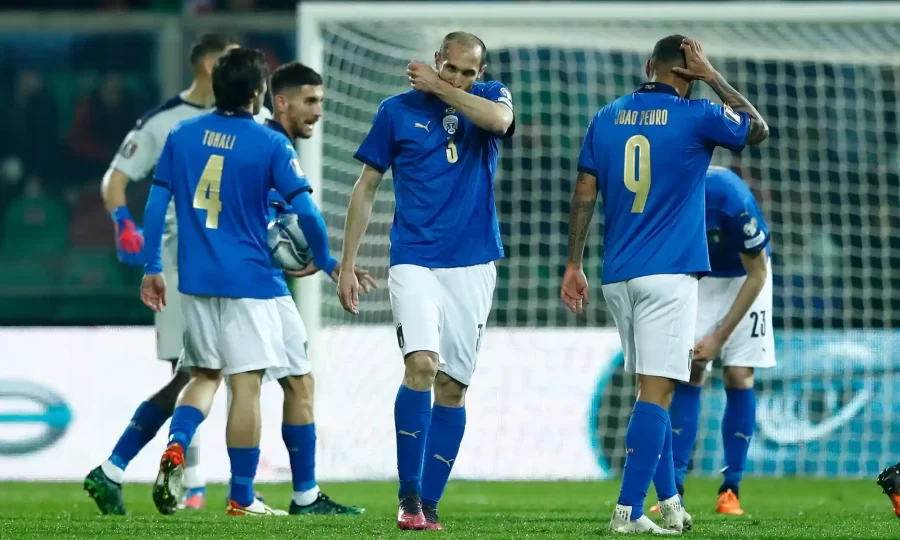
(637,171)
(206,196)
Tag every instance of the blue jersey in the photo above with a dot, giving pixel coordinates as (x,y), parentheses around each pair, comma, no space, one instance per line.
(443,167)
(734,223)
(649,151)
(220,168)
(274,197)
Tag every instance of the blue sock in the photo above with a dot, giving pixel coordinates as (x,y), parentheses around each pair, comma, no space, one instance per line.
(185,421)
(445,433)
(244,462)
(644,441)
(664,478)
(684,415)
(412,412)
(301,446)
(144,425)
(738,423)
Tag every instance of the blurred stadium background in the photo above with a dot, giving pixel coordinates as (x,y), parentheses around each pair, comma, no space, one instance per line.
(76,75)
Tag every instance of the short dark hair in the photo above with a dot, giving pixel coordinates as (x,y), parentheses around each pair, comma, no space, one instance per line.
(237,75)
(667,51)
(294,75)
(466,40)
(210,43)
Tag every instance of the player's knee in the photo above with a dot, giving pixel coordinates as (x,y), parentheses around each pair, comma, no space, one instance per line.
(738,378)
(246,385)
(448,391)
(421,369)
(298,397)
(656,390)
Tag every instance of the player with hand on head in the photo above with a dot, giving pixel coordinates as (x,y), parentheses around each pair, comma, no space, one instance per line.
(136,158)
(297,96)
(654,245)
(733,326)
(442,141)
(220,168)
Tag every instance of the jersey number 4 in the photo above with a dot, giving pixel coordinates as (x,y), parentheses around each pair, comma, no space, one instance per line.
(637,171)
(206,196)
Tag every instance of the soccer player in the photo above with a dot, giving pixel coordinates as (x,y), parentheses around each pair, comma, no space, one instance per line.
(297,95)
(136,158)
(219,168)
(733,326)
(889,482)
(647,154)
(441,140)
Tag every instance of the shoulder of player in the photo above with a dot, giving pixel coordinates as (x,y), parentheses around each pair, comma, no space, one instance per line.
(728,191)
(482,87)
(162,113)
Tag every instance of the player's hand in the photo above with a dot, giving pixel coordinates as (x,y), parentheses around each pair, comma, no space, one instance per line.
(129,239)
(153,292)
(348,291)
(423,77)
(708,348)
(574,290)
(366,281)
(697,66)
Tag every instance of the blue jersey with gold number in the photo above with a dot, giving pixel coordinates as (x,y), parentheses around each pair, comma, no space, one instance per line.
(220,168)
(734,223)
(443,167)
(650,151)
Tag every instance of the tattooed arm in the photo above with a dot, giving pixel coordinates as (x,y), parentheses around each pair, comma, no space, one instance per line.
(580,214)
(759,130)
(697,67)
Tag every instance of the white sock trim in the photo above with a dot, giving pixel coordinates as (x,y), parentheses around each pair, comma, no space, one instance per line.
(306,498)
(112,472)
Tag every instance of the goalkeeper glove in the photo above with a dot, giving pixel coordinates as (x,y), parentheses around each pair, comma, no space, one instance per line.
(129,239)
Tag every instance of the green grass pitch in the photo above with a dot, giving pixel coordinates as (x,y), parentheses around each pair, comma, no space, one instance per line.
(784,509)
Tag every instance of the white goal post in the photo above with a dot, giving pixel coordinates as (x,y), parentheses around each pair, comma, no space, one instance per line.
(827,78)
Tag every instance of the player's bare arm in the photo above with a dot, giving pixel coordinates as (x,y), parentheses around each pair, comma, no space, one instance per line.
(113,189)
(574,288)
(486,114)
(755,264)
(698,67)
(361,200)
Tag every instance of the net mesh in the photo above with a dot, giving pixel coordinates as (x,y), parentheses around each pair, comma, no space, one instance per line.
(827,180)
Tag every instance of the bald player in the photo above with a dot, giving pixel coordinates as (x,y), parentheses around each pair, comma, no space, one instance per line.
(441,139)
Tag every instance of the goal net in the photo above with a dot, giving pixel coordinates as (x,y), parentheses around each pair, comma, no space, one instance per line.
(826,79)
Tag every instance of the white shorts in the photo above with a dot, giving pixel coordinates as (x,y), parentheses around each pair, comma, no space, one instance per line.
(655,316)
(235,335)
(443,310)
(752,344)
(295,342)
(169,323)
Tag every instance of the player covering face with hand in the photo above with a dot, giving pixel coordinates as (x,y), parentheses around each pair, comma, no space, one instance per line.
(654,247)
(441,139)
(220,168)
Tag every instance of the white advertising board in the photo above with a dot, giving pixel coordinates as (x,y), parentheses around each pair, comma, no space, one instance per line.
(527,410)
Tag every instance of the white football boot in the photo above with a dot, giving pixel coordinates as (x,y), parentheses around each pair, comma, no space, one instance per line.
(256,508)
(675,517)
(622,523)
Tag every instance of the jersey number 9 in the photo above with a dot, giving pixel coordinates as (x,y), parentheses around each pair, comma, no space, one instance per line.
(637,175)
(206,196)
